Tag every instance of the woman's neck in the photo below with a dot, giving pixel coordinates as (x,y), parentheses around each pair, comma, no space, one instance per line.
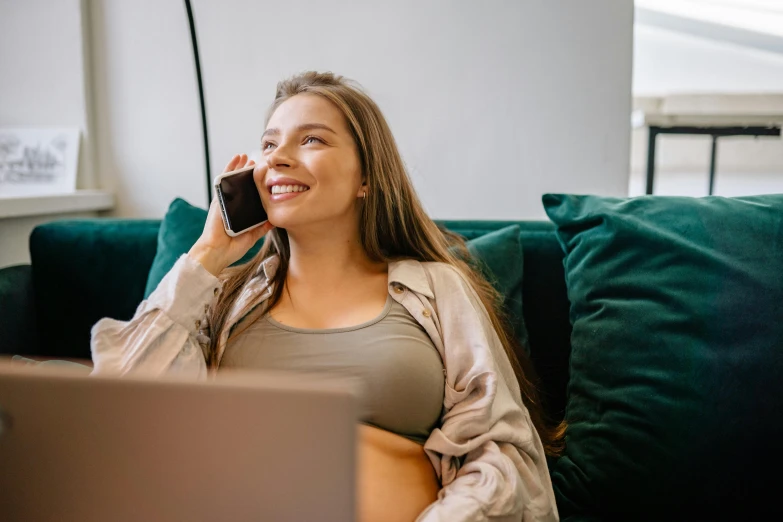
(328,258)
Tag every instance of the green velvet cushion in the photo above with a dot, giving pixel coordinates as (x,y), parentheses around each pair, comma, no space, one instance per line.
(500,252)
(676,366)
(500,259)
(180,229)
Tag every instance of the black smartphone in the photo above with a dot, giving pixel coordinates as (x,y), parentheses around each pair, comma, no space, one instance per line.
(240,202)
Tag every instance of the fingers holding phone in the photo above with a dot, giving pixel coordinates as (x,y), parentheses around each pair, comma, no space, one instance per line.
(236,218)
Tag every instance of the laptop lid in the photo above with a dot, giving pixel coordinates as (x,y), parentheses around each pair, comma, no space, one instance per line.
(244,446)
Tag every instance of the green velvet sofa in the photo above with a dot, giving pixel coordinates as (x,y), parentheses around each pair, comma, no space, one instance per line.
(654,325)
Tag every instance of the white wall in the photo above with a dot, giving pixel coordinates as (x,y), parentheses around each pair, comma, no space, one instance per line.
(503,103)
(491,106)
(44,83)
(43,70)
(146,105)
(670,62)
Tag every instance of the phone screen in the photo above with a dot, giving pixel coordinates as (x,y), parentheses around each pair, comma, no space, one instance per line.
(241,202)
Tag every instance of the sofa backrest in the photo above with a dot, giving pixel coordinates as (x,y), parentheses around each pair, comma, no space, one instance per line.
(87,269)
(83,270)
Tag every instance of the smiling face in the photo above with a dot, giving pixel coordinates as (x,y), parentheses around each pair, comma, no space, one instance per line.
(309,172)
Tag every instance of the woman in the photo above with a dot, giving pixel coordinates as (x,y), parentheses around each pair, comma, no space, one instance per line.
(355,277)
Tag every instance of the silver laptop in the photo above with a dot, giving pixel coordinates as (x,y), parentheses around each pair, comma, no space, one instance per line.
(245,446)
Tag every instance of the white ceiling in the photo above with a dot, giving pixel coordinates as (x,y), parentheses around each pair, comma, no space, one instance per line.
(751,23)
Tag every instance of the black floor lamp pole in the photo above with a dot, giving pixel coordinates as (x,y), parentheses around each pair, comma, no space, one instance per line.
(201,98)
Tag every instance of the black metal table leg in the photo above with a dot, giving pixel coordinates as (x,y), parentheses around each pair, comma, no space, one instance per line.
(712,163)
(651,135)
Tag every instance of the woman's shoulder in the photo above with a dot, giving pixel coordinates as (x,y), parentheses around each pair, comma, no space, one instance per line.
(441,278)
(436,267)
(444,272)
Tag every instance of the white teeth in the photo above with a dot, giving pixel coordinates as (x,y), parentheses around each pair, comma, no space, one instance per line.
(284,189)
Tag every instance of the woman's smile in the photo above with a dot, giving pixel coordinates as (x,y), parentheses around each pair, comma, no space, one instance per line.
(283,189)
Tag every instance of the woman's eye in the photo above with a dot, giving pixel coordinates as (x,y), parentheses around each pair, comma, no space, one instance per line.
(312,139)
(267,145)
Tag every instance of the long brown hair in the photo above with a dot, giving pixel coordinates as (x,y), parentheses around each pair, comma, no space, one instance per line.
(392,226)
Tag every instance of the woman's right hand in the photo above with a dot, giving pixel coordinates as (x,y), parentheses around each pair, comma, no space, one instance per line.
(215,249)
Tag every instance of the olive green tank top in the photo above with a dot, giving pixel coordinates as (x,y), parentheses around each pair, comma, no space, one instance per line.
(400,370)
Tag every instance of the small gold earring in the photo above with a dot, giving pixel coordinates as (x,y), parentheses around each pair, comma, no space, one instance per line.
(364,195)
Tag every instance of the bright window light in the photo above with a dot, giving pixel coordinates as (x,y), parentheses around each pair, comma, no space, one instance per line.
(765,16)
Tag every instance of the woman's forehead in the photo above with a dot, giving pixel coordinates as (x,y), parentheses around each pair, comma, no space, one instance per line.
(305,109)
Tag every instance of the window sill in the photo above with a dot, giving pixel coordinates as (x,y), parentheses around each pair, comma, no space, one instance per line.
(79,201)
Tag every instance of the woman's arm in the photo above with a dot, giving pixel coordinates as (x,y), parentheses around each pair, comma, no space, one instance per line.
(163,334)
(487,452)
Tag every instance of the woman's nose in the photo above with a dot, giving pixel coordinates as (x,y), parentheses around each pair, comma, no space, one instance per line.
(280,158)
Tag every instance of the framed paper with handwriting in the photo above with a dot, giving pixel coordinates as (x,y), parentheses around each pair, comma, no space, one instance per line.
(38,161)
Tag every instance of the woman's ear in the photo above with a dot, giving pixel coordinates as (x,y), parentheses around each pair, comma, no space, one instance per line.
(363,189)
